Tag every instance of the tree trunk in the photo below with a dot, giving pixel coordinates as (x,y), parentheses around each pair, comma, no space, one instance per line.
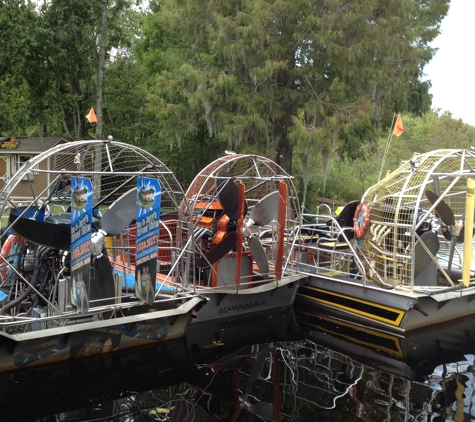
(326,159)
(283,154)
(283,146)
(102,65)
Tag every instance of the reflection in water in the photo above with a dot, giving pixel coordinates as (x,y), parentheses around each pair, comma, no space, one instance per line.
(308,370)
(303,381)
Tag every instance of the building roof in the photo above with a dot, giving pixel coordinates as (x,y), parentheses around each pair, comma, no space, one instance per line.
(26,145)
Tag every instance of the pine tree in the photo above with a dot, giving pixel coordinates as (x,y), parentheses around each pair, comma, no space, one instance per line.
(311,77)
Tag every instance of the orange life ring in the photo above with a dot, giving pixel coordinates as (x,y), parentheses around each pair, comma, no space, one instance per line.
(361,221)
(11,241)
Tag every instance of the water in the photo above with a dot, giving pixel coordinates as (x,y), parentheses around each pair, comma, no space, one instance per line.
(282,366)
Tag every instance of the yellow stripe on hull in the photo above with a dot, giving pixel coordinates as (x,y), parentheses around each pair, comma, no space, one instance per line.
(377,312)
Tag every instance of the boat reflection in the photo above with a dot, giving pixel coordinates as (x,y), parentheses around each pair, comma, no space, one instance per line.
(425,375)
(91,386)
(127,382)
(414,356)
(305,369)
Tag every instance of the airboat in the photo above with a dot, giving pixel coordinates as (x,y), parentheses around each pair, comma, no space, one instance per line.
(244,209)
(400,259)
(77,220)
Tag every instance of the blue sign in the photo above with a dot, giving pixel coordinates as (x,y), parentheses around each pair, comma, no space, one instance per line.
(81,225)
(149,195)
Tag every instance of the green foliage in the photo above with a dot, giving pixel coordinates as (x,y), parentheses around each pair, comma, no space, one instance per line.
(421,134)
(53,52)
(24,81)
(14,106)
(313,85)
(430,132)
(126,116)
(302,82)
(188,159)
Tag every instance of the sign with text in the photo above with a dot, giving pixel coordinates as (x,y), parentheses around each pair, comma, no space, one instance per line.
(81,225)
(149,196)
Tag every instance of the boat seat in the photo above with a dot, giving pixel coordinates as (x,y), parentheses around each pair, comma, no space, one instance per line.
(333,245)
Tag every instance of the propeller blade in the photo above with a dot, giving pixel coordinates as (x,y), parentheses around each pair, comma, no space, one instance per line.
(456,230)
(55,231)
(228,195)
(447,234)
(421,257)
(219,251)
(266,209)
(443,210)
(263,410)
(255,371)
(102,284)
(259,255)
(50,234)
(120,214)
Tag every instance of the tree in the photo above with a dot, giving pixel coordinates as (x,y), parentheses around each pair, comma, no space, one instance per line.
(126,115)
(23,63)
(117,9)
(317,75)
(433,130)
(59,53)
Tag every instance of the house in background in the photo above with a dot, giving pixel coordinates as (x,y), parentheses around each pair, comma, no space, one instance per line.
(16,151)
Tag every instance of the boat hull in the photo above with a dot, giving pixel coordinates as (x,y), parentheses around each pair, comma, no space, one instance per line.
(92,338)
(385,310)
(211,340)
(226,303)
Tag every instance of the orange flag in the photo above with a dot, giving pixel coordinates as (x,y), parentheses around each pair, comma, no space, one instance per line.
(398,128)
(91,117)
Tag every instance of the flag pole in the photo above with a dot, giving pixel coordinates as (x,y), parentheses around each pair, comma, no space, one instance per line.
(388,143)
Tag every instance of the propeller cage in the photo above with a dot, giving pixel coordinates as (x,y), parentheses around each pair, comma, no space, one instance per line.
(210,191)
(41,190)
(401,212)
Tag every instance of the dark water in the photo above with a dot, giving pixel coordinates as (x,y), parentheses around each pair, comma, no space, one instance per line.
(282,366)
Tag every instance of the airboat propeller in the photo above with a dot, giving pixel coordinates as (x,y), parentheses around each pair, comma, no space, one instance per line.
(446,214)
(118,216)
(219,251)
(115,219)
(443,211)
(422,257)
(228,194)
(55,231)
(261,214)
